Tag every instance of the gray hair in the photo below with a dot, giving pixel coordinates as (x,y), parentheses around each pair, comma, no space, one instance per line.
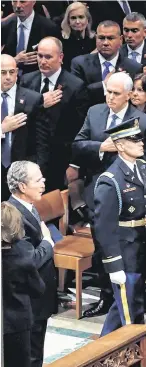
(17,173)
(134,17)
(66,29)
(123,78)
(109,23)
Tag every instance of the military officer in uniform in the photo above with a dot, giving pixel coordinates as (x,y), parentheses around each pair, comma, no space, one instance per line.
(120,225)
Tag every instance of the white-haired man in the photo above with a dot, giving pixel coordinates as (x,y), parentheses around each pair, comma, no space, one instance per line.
(26,184)
(94,150)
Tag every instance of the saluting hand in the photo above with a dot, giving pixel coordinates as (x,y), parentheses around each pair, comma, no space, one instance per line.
(108,146)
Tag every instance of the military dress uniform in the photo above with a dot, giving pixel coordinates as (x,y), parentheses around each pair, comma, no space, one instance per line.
(120,228)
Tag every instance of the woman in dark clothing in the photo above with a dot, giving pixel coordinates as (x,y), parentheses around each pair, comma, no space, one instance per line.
(20,282)
(138,97)
(77,36)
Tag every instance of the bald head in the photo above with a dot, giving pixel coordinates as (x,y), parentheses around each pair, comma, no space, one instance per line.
(50,55)
(8,72)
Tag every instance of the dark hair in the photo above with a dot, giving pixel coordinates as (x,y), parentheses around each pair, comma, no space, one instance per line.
(12,228)
(109,23)
(143,79)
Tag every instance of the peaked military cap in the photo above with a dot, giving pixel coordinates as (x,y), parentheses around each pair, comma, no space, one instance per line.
(128,128)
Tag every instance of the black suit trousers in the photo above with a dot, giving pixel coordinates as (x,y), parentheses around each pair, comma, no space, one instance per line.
(37,342)
(17,349)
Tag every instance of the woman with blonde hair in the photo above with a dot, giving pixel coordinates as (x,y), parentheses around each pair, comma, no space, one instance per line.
(77,35)
(20,282)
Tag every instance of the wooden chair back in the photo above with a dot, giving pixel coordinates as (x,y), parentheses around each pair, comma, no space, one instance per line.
(54,205)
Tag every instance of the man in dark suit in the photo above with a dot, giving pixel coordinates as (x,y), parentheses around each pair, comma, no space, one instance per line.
(134,33)
(120,208)
(22,33)
(67,99)
(26,184)
(18,111)
(95,68)
(93,149)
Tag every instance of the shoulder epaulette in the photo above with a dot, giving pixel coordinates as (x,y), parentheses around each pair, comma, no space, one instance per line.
(111,176)
(142,160)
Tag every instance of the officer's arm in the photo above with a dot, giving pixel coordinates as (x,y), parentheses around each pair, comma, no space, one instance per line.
(106,225)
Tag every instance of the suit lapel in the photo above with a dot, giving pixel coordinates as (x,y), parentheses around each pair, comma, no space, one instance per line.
(143,60)
(102,122)
(36,82)
(129,175)
(12,39)
(96,69)
(19,100)
(142,169)
(33,37)
(25,212)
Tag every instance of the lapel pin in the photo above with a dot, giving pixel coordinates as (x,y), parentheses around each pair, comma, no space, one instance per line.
(21,101)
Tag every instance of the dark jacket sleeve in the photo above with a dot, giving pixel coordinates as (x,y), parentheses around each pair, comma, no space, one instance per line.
(35,284)
(85,152)
(106,225)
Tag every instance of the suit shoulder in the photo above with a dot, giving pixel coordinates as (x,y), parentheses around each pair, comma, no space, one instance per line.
(72,79)
(30,76)
(84,58)
(141,160)
(98,108)
(29,93)
(132,64)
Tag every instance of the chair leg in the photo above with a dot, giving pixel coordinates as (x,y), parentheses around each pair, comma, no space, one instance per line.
(78,291)
(61,279)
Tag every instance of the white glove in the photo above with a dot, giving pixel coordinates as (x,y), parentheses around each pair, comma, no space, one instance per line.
(119,277)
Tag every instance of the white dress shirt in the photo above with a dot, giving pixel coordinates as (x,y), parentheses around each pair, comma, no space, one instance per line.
(52,80)
(119,114)
(27,28)
(139,49)
(112,67)
(11,106)
(131,166)
(119,120)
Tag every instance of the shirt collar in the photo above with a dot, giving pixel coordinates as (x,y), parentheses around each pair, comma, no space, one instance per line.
(129,164)
(11,92)
(121,113)
(23,202)
(139,49)
(53,78)
(112,61)
(27,22)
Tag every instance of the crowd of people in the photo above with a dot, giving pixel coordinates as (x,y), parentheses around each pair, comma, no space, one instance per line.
(73,105)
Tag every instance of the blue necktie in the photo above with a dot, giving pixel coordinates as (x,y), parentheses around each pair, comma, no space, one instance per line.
(36,214)
(20,45)
(106,70)
(113,122)
(6,145)
(134,55)
(125,7)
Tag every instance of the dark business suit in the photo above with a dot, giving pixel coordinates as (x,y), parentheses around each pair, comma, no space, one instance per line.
(21,283)
(41,27)
(86,155)
(123,248)
(47,304)
(58,125)
(23,138)
(124,51)
(88,68)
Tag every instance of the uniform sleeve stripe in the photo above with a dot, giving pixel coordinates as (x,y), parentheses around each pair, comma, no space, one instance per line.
(111,259)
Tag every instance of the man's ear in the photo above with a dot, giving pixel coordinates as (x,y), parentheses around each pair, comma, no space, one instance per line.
(22,187)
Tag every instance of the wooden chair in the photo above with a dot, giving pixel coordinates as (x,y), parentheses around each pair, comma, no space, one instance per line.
(76,194)
(72,252)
